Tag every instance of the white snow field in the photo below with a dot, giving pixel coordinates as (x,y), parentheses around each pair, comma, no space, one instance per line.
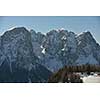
(91,79)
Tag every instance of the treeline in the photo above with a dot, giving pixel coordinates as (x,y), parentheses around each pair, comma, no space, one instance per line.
(69,73)
(82,68)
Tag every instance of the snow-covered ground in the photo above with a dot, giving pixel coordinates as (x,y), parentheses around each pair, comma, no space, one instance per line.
(91,79)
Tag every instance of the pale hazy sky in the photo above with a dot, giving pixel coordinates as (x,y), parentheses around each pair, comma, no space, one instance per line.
(46,23)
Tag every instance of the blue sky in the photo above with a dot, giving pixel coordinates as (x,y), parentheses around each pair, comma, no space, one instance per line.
(46,23)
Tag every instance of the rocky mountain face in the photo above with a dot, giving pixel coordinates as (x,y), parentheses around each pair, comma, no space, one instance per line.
(18,62)
(67,48)
(29,56)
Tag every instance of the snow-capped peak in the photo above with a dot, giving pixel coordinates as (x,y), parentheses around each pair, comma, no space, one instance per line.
(17,28)
(61,29)
(84,33)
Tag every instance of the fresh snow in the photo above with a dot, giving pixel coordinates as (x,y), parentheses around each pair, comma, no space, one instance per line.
(43,51)
(63,38)
(80,34)
(91,79)
(41,46)
(63,49)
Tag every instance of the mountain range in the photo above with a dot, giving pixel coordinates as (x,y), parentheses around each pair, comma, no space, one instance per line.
(29,56)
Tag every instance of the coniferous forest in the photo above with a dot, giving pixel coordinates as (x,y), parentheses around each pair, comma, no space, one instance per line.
(74,74)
